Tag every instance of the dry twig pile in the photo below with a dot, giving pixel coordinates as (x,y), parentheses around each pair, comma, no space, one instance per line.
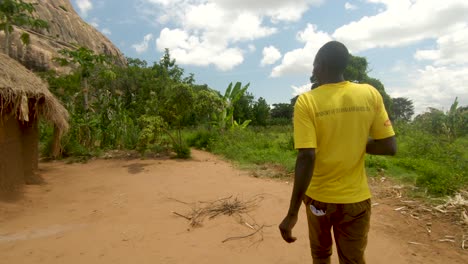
(228,206)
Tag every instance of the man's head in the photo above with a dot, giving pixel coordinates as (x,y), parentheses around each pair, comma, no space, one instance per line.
(330,62)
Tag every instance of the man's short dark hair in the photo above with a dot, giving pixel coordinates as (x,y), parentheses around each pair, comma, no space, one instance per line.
(334,56)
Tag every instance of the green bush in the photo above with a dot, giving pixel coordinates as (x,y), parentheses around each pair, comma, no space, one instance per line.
(438,179)
(256,146)
(203,139)
(46,132)
(151,135)
(72,148)
(182,151)
(377,162)
(279,121)
(441,165)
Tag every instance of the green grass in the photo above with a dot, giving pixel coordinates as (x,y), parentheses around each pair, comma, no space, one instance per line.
(250,148)
(432,166)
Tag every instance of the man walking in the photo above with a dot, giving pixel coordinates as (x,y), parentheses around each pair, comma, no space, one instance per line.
(332,126)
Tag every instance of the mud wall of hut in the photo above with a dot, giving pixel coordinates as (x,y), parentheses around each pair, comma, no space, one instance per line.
(18,153)
(11,161)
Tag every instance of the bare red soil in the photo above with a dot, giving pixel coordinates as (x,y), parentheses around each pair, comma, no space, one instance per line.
(121,211)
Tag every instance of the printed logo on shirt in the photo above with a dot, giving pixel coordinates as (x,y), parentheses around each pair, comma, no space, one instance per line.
(388,123)
(343,110)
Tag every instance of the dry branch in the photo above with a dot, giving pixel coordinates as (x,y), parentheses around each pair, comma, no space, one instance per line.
(225,206)
(246,236)
(181,215)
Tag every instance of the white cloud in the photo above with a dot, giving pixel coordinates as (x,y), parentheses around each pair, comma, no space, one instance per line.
(400,23)
(84,6)
(403,22)
(349,6)
(144,45)
(106,31)
(216,27)
(435,87)
(209,35)
(298,90)
(252,48)
(301,61)
(216,24)
(451,49)
(188,49)
(270,55)
(276,10)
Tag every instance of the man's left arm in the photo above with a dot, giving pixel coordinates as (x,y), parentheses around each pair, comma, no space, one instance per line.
(303,174)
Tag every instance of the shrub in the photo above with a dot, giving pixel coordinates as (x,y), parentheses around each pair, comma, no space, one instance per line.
(151,133)
(437,178)
(377,162)
(203,139)
(182,151)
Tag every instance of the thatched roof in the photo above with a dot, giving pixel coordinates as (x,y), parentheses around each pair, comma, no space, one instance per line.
(18,84)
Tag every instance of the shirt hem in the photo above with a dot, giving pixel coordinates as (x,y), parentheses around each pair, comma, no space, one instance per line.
(339,201)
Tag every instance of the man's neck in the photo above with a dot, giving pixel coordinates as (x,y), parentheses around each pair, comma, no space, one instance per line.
(335,79)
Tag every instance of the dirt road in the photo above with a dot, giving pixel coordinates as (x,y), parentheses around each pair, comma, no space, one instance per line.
(120,211)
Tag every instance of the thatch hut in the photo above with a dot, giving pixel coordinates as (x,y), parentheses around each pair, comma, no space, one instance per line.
(24,98)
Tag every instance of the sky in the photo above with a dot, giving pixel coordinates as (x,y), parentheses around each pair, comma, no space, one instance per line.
(417,48)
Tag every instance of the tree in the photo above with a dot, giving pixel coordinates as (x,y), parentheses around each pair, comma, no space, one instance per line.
(357,71)
(87,61)
(208,103)
(167,67)
(452,124)
(457,120)
(179,104)
(261,112)
(17,13)
(282,110)
(294,100)
(403,109)
(377,84)
(243,108)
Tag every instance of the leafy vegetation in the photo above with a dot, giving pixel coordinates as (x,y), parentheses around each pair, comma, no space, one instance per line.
(18,13)
(158,109)
(435,163)
(434,145)
(403,109)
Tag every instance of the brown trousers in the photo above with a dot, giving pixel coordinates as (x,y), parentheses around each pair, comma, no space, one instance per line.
(350,223)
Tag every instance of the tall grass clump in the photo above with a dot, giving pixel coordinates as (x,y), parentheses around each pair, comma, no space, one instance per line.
(203,139)
(440,163)
(256,146)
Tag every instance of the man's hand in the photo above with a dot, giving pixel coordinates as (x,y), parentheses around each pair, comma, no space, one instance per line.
(286,228)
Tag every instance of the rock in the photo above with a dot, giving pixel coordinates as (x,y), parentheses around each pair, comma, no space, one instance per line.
(66,30)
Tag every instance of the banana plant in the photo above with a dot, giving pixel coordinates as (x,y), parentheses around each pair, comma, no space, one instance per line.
(240,126)
(232,94)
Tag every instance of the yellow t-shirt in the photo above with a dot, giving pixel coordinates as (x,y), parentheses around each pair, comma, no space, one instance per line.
(337,119)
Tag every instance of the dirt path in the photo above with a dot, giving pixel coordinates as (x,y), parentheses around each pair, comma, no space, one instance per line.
(114,211)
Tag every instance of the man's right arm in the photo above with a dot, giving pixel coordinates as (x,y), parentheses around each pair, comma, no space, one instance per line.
(382,136)
(385,146)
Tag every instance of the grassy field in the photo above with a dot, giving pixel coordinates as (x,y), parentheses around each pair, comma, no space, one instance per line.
(433,166)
